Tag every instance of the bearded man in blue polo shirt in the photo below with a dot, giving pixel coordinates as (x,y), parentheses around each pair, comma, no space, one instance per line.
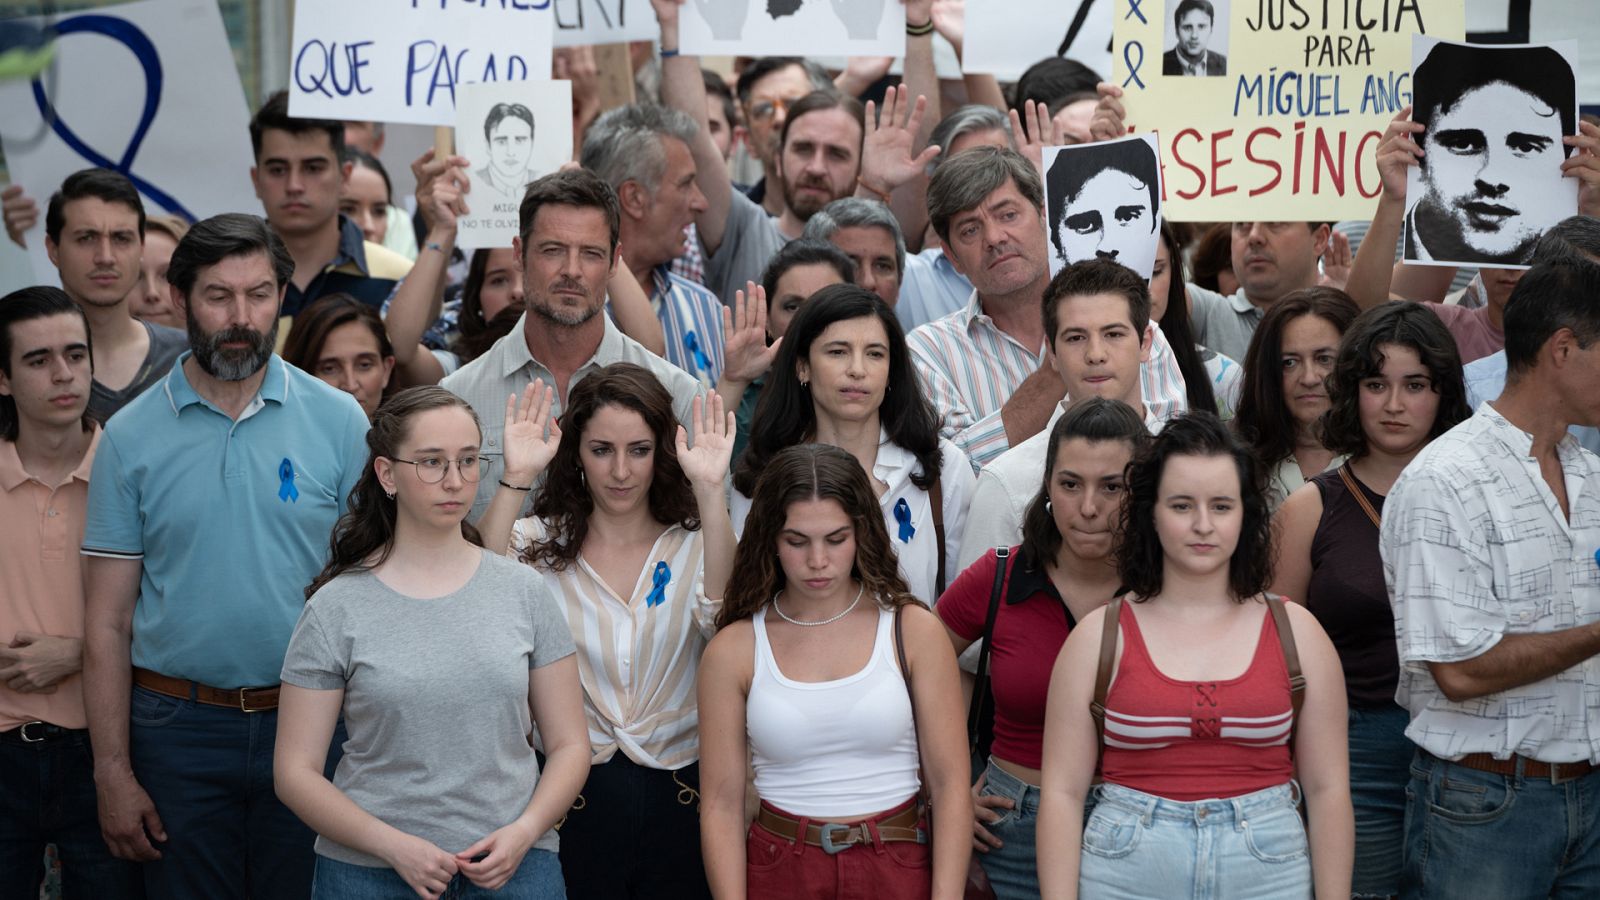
(219,488)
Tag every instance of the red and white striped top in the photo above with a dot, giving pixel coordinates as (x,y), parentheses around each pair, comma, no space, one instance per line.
(1198,740)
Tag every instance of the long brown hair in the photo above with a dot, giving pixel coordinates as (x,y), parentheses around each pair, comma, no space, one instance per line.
(309,333)
(364,535)
(564,501)
(1262,419)
(810,472)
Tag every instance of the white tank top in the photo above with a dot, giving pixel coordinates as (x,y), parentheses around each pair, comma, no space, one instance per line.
(831,747)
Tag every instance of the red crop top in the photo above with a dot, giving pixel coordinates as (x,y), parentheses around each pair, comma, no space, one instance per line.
(1198,740)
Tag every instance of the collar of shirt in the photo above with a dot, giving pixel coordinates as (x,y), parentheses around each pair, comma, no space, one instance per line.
(974,317)
(13,476)
(893,462)
(514,356)
(352,246)
(1028,577)
(1520,443)
(1242,305)
(180,393)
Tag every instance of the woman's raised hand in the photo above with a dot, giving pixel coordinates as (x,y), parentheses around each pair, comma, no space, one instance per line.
(706,464)
(531,434)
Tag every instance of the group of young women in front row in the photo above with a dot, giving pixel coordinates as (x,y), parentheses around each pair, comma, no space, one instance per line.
(659,667)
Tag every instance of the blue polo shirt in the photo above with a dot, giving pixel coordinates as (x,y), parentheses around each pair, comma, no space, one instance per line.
(231,519)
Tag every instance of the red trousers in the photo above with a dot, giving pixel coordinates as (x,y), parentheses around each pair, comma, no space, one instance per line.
(880,870)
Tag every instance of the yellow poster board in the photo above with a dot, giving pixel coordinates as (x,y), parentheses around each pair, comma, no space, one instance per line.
(1280,105)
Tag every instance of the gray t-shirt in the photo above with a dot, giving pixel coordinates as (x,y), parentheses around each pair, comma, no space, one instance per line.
(166,345)
(749,241)
(1223,324)
(435,698)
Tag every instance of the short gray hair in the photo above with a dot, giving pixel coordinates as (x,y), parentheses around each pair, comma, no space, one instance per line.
(1575,237)
(968,177)
(966,120)
(624,144)
(857,212)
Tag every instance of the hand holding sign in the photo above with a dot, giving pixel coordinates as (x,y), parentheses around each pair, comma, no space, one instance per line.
(1584,165)
(1398,153)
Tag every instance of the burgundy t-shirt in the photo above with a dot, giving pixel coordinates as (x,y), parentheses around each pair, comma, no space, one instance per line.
(1029,629)
(1476,337)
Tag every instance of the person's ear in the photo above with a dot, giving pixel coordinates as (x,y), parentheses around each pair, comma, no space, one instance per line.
(955,263)
(633,199)
(181,302)
(345,168)
(1147,341)
(517,250)
(384,470)
(1319,238)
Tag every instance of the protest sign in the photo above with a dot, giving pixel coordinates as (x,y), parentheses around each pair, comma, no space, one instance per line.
(1489,182)
(382,61)
(1104,200)
(580,23)
(149,89)
(510,133)
(1291,130)
(1005,37)
(792,27)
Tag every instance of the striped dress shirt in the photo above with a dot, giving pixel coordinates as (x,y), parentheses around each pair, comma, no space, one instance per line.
(691,322)
(970,368)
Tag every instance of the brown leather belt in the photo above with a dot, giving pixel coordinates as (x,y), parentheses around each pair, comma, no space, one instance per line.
(258,699)
(836,837)
(1531,768)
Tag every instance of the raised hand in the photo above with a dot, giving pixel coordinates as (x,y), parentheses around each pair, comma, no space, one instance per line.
(441,188)
(424,867)
(1584,165)
(949,19)
(886,160)
(1035,130)
(21,212)
(1397,152)
(706,464)
(528,448)
(502,853)
(745,353)
(1336,261)
(1110,118)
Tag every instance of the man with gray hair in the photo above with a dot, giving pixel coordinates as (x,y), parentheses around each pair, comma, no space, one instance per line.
(642,151)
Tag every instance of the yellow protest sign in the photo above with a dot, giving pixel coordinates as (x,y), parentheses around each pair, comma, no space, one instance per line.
(1270,109)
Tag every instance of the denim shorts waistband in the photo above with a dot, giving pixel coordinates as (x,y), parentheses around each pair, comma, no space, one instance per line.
(1235,809)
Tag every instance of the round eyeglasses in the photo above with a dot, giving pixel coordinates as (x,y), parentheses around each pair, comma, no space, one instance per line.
(431,469)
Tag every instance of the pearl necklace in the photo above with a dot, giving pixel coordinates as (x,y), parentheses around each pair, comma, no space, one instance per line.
(828,621)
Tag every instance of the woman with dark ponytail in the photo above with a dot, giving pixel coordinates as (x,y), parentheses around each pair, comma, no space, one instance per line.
(409,620)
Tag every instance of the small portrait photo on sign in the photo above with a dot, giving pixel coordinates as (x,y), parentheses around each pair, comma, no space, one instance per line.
(1104,200)
(1489,182)
(1197,35)
(511,133)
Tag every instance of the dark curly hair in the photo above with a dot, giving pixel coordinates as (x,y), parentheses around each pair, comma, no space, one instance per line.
(1405,324)
(811,472)
(1140,556)
(1262,418)
(1093,419)
(564,501)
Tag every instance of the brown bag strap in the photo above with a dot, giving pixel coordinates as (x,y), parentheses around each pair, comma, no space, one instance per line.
(1108,657)
(1291,661)
(936,497)
(1360,495)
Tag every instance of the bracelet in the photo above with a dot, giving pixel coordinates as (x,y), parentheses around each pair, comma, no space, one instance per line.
(881,195)
(919,30)
(668,54)
(434,245)
(514,487)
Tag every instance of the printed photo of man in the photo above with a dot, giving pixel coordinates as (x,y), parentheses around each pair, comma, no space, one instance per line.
(1194,22)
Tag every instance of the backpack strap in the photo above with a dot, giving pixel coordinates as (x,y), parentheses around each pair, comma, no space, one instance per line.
(1108,657)
(1291,660)
(936,497)
(980,685)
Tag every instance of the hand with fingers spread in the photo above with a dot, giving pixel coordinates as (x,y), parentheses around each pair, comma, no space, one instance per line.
(706,463)
(424,867)
(21,212)
(1110,118)
(1584,165)
(886,151)
(531,434)
(501,852)
(984,806)
(1398,152)
(441,188)
(746,355)
(1033,131)
(1336,262)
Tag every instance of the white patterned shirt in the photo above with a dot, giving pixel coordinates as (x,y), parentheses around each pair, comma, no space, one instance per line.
(637,661)
(970,368)
(1475,548)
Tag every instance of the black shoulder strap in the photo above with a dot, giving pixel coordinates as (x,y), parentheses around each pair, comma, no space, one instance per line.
(936,498)
(980,685)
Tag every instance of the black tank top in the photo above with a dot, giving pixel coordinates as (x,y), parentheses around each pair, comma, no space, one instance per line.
(1347,594)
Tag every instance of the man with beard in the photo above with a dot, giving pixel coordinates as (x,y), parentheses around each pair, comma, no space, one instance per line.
(210,505)
(568,249)
(94,233)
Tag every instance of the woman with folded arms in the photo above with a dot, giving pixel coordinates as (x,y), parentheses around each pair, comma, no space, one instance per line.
(410,623)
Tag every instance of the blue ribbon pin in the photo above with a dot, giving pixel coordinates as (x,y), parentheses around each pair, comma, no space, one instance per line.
(692,344)
(902,515)
(287,492)
(658,585)
(126,33)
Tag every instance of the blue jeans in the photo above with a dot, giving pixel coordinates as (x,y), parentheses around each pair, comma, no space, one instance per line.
(1380,767)
(537,878)
(1137,846)
(47,797)
(1013,867)
(1510,837)
(208,770)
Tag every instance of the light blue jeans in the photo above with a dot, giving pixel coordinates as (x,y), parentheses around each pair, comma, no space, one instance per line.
(1137,846)
(1013,867)
(538,878)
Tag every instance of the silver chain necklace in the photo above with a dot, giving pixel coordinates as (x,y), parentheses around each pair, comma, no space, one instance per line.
(828,621)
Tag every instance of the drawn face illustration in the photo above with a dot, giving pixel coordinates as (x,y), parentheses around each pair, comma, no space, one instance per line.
(510,148)
(1110,218)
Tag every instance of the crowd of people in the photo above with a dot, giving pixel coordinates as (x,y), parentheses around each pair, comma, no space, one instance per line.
(344,563)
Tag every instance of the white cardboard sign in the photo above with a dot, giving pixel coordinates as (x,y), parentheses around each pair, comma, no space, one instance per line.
(580,23)
(510,134)
(793,27)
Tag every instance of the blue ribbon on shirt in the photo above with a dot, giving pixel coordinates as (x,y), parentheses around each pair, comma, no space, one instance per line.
(902,514)
(287,492)
(692,344)
(658,585)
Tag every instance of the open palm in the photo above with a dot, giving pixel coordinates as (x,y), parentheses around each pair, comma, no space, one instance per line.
(531,434)
(707,462)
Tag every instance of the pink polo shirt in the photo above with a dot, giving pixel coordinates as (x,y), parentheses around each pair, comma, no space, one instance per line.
(41,577)
(1476,337)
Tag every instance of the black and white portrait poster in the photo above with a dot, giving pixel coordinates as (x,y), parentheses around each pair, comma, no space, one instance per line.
(1489,182)
(1196,34)
(510,133)
(1104,199)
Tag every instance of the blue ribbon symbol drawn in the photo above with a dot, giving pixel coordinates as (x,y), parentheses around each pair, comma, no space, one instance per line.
(658,585)
(902,515)
(126,33)
(287,492)
(1133,55)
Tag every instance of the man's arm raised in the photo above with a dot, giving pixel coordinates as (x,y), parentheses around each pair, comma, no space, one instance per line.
(684,88)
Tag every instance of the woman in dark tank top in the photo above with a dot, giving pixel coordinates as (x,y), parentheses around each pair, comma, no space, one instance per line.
(1396,385)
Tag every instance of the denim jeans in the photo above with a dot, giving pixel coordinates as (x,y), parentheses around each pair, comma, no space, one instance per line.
(1380,767)
(537,878)
(47,797)
(208,770)
(1013,867)
(1510,837)
(1137,846)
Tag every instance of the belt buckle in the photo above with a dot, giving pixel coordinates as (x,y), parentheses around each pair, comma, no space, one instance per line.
(1557,768)
(245,707)
(825,835)
(23,733)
